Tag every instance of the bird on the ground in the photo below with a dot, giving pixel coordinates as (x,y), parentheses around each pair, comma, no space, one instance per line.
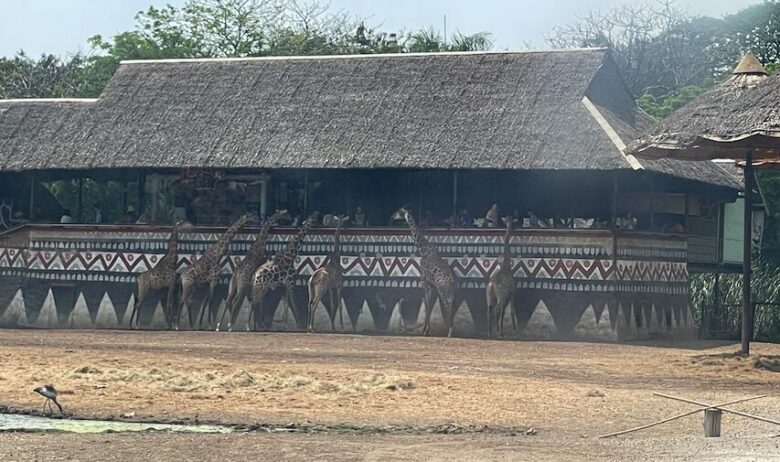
(48,392)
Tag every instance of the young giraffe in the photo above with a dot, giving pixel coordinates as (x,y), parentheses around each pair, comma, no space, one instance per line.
(501,289)
(162,276)
(329,279)
(278,271)
(242,275)
(438,279)
(206,270)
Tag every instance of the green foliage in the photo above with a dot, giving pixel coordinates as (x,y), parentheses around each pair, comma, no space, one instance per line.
(113,197)
(727,302)
(218,28)
(660,107)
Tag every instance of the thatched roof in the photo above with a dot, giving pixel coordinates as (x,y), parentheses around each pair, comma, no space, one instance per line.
(559,110)
(39,133)
(740,114)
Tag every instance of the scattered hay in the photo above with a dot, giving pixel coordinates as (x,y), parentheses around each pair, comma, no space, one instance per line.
(770,363)
(595,394)
(242,381)
(87,370)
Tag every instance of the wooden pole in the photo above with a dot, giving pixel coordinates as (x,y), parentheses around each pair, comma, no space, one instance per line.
(32,197)
(455,224)
(743,414)
(678,416)
(712,419)
(81,199)
(305,195)
(747,251)
(613,202)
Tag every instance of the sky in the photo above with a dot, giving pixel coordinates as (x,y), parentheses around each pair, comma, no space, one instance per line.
(62,27)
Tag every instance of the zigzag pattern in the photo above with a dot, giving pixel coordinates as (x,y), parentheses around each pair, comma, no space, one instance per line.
(364,267)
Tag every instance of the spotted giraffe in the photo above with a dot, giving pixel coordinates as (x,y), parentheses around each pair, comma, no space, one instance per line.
(162,276)
(329,279)
(501,289)
(245,269)
(206,270)
(276,272)
(438,279)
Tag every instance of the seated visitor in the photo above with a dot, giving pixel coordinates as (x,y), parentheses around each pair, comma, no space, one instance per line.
(329,221)
(97,213)
(627,222)
(491,217)
(360,217)
(66,217)
(465,219)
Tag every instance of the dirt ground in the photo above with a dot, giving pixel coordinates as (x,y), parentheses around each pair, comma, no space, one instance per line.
(380,398)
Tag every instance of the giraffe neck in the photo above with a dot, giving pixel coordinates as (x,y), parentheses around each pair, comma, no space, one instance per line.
(173,240)
(221,247)
(258,247)
(173,243)
(423,245)
(290,253)
(337,240)
(507,250)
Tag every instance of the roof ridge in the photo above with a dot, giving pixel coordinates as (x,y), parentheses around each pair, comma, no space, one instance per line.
(359,56)
(48,100)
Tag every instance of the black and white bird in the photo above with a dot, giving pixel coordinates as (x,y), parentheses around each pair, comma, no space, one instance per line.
(48,392)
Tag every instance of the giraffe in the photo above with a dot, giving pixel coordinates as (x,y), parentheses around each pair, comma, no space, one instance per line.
(206,270)
(501,289)
(162,276)
(276,272)
(438,279)
(245,269)
(329,279)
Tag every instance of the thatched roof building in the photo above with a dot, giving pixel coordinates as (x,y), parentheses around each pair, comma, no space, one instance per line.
(557,110)
(741,112)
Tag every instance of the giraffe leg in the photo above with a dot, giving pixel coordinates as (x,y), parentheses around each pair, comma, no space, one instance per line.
(447,299)
(229,301)
(314,301)
(341,309)
(332,314)
(290,303)
(429,299)
(206,306)
(256,311)
(171,301)
(502,304)
(143,289)
(186,291)
(490,296)
(235,309)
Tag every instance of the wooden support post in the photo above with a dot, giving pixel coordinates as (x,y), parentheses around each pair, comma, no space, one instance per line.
(32,197)
(747,250)
(712,419)
(613,202)
(80,210)
(455,198)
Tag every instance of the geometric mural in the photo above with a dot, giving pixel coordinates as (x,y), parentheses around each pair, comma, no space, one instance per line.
(570,283)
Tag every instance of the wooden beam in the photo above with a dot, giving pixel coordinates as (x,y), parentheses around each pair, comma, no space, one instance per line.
(678,416)
(743,414)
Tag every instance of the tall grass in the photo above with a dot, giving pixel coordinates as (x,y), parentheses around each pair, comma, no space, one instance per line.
(719,310)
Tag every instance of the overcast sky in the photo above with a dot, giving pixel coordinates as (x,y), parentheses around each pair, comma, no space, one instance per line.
(62,26)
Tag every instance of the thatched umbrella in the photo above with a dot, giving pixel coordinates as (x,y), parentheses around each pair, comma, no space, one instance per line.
(738,119)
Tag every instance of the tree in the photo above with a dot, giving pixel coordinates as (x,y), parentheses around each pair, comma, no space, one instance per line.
(658,47)
(48,76)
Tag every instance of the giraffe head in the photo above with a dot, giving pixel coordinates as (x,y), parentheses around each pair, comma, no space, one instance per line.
(247,216)
(402,214)
(279,215)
